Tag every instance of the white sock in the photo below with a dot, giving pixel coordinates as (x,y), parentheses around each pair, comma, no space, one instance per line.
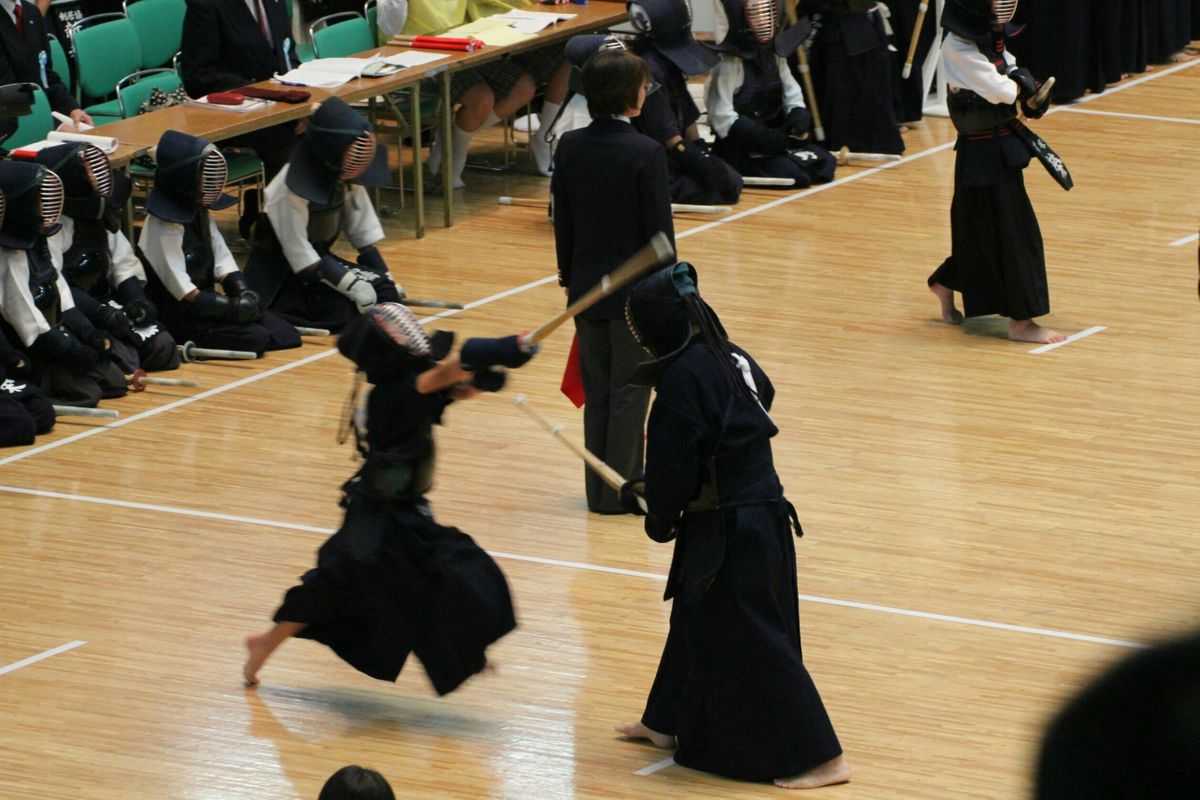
(462,142)
(538,144)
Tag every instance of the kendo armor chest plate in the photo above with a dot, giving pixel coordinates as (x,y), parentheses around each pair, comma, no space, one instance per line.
(86,264)
(197,251)
(760,97)
(43,285)
(325,220)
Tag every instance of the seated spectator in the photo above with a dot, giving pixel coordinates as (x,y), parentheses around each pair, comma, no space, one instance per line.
(25,57)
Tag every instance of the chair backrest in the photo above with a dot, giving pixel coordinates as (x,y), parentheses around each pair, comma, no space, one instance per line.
(59,61)
(371,12)
(159,25)
(105,52)
(339,35)
(135,89)
(34,126)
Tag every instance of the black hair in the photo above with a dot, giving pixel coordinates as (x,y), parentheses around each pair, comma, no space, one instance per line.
(356,783)
(611,81)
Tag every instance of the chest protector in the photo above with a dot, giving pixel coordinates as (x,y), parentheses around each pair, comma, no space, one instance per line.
(86,263)
(325,220)
(972,114)
(43,284)
(760,97)
(197,251)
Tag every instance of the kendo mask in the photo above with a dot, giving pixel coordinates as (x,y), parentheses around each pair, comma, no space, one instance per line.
(658,315)
(338,146)
(668,26)
(582,47)
(87,176)
(976,19)
(34,200)
(191,175)
(389,340)
(749,26)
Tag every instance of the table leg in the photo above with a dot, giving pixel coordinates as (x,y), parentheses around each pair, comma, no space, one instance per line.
(447,152)
(418,161)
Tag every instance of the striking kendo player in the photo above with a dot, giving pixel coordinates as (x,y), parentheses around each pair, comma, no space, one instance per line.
(188,256)
(732,693)
(319,195)
(755,106)
(67,352)
(997,260)
(105,275)
(669,114)
(392,581)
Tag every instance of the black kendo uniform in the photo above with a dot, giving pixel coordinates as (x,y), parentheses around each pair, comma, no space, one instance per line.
(392,581)
(98,262)
(669,50)
(66,350)
(731,685)
(909,101)
(319,195)
(997,260)
(755,106)
(25,410)
(853,75)
(186,252)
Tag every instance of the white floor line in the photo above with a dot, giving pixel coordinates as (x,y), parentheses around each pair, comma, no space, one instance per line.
(1079,637)
(1073,337)
(1185,240)
(655,767)
(62,648)
(1130,116)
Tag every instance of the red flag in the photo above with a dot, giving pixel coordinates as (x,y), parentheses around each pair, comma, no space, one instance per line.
(572,380)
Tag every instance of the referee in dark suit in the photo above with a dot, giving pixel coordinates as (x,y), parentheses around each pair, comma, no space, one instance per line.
(611,194)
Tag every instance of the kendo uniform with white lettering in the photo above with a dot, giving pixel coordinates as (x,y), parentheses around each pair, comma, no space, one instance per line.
(755,106)
(852,69)
(98,262)
(188,256)
(731,685)
(25,410)
(997,259)
(667,46)
(313,200)
(392,581)
(66,351)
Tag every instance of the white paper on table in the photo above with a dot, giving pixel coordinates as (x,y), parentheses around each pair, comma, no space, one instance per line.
(106,143)
(249,104)
(545,17)
(326,73)
(413,58)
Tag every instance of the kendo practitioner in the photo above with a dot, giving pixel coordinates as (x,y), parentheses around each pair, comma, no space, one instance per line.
(755,106)
(25,410)
(669,114)
(319,195)
(997,260)
(392,581)
(732,694)
(67,352)
(853,67)
(188,257)
(106,277)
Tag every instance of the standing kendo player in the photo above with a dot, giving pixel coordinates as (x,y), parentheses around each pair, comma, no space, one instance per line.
(316,197)
(997,259)
(106,277)
(669,114)
(188,256)
(67,352)
(755,106)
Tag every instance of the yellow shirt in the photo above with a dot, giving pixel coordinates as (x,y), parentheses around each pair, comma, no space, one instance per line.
(429,16)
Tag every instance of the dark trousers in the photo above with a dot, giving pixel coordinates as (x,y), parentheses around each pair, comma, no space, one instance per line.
(272,145)
(614,418)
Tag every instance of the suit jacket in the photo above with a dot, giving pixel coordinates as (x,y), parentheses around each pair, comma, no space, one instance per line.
(223,48)
(20,51)
(611,194)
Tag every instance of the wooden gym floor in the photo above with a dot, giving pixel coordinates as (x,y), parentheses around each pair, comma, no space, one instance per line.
(986,527)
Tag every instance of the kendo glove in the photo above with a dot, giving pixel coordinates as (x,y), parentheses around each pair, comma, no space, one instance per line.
(375,269)
(799,120)
(114,321)
(12,360)
(509,351)
(132,297)
(489,380)
(346,281)
(758,138)
(77,323)
(1027,85)
(633,496)
(245,300)
(211,307)
(58,345)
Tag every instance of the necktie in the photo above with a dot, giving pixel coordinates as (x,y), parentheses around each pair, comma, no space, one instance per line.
(261,13)
(18,18)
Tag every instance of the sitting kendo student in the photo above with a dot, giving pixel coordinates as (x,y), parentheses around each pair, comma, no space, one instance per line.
(317,196)
(66,351)
(755,106)
(188,257)
(90,250)
(669,114)
(25,410)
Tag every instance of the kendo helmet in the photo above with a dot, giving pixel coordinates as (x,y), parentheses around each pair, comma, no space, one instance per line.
(339,145)
(389,339)
(658,315)
(34,200)
(89,182)
(747,26)
(976,19)
(191,175)
(668,26)
(582,47)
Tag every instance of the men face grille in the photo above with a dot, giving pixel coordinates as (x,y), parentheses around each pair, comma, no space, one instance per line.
(359,156)
(213,172)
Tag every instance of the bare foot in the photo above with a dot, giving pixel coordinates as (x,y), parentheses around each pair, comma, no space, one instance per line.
(1181,57)
(1026,330)
(256,648)
(945,296)
(636,730)
(827,774)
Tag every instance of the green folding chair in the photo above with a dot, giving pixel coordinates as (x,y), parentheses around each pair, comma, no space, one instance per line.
(106,50)
(338,35)
(135,89)
(159,26)
(34,126)
(60,62)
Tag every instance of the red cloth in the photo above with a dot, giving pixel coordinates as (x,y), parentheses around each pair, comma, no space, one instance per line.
(572,380)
